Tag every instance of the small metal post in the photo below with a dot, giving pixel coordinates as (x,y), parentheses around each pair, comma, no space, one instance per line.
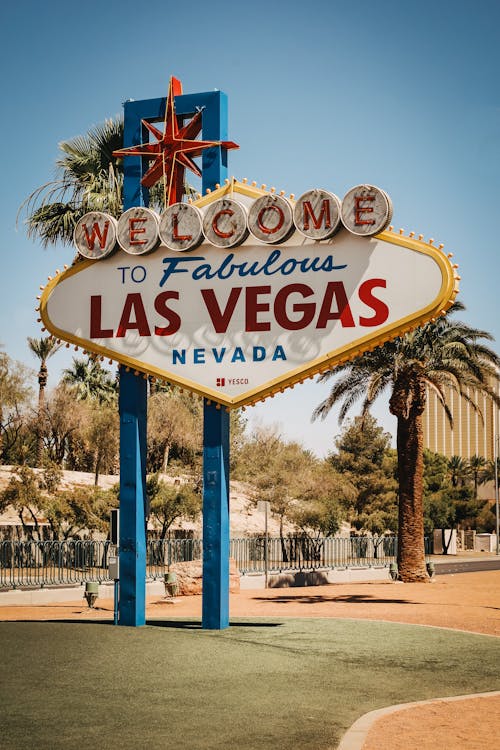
(116,601)
(264,505)
(266,552)
(497,511)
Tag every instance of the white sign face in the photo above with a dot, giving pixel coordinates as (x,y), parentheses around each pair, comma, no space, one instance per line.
(237,324)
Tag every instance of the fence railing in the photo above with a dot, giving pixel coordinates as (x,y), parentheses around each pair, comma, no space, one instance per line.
(306,553)
(38,564)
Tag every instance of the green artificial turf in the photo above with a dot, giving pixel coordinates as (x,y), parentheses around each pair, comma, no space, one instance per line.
(297,683)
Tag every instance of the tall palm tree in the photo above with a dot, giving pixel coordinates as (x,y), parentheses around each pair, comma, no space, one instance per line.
(441,354)
(43,348)
(90,179)
(458,470)
(91,381)
(477,467)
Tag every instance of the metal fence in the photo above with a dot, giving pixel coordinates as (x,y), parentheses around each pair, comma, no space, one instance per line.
(38,564)
(306,553)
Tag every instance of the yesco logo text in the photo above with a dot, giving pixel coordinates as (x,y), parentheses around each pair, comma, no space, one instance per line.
(227,222)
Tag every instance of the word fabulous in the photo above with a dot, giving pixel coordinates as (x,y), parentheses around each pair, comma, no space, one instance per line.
(226,222)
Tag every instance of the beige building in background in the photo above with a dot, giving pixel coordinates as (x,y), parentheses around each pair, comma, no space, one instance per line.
(473,432)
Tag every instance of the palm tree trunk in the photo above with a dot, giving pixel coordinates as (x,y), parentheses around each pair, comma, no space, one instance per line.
(97,468)
(42,383)
(411,550)
(166,454)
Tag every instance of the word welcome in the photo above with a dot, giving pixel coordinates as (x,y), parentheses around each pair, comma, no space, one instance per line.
(271,219)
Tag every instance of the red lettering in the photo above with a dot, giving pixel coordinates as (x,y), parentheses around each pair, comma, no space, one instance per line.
(175,225)
(335,290)
(96,331)
(306,308)
(133,231)
(380,308)
(216,229)
(96,232)
(260,221)
(133,304)
(359,209)
(324,215)
(219,318)
(252,307)
(161,307)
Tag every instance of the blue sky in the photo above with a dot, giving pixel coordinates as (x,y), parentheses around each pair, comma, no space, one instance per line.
(393,93)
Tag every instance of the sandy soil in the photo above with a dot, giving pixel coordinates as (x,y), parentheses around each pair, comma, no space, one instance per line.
(466,601)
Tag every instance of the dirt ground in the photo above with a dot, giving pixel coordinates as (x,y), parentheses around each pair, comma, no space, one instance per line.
(465,601)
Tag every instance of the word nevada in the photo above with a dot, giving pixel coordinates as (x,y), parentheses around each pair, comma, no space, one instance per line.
(228,221)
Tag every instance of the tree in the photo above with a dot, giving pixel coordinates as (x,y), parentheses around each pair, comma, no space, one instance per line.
(365,459)
(458,470)
(440,508)
(103,438)
(449,502)
(279,473)
(90,381)
(24,495)
(439,355)
(169,502)
(173,422)
(90,179)
(477,467)
(490,473)
(43,348)
(70,512)
(323,502)
(15,393)
(64,418)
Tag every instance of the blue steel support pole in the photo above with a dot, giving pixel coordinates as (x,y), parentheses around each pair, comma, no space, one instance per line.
(215,604)
(133,406)
(133,421)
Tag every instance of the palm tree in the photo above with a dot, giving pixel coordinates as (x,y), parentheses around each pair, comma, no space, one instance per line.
(439,355)
(477,467)
(90,180)
(43,348)
(90,381)
(458,470)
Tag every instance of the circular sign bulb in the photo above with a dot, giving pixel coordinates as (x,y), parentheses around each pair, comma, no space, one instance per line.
(95,235)
(316,214)
(225,223)
(181,227)
(270,219)
(138,231)
(366,210)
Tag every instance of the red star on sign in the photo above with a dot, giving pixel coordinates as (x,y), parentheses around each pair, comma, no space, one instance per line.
(174,149)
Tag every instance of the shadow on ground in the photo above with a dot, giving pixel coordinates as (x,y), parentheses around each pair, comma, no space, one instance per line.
(351,599)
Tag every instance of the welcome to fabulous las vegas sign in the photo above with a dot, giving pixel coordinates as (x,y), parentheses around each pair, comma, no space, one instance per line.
(244,292)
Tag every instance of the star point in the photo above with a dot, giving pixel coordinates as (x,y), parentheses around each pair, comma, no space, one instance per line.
(174,148)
